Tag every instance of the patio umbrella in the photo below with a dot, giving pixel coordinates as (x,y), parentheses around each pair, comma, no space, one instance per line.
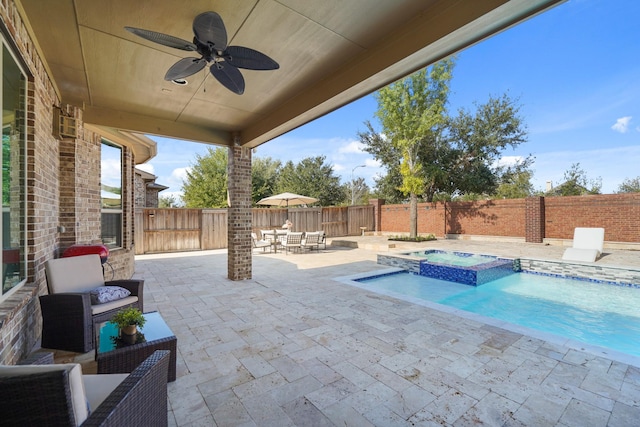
(286,199)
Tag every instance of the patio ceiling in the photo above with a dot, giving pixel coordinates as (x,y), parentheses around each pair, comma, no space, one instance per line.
(330,52)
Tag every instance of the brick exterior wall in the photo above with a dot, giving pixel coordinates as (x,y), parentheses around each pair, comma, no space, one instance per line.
(619,214)
(240,214)
(140,191)
(62,189)
(487,218)
(533,219)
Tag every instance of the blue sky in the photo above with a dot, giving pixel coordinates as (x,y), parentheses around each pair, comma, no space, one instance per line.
(575,70)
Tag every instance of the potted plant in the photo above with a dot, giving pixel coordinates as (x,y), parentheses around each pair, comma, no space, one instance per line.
(128,320)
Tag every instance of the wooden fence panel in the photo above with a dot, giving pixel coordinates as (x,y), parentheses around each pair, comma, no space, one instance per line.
(214,229)
(360,216)
(306,219)
(171,229)
(180,229)
(334,221)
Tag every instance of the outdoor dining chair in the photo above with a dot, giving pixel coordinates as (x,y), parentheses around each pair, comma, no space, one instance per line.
(292,241)
(311,240)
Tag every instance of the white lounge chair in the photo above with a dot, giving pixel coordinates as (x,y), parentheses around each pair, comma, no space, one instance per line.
(588,244)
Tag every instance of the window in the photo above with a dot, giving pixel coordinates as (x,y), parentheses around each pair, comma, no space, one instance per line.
(13,91)
(111,194)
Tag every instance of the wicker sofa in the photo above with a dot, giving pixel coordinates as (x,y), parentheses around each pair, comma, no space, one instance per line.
(68,315)
(44,395)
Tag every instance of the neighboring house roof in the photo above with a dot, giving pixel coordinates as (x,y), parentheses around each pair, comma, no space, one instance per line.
(150,180)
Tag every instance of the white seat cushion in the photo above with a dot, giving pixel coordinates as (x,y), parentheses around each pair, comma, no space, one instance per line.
(78,396)
(575,254)
(74,274)
(101,308)
(98,387)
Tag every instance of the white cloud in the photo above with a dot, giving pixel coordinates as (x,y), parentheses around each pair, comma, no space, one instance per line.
(622,124)
(509,160)
(180,174)
(372,163)
(352,147)
(147,167)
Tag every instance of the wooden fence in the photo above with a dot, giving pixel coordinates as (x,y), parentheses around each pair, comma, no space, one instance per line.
(159,230)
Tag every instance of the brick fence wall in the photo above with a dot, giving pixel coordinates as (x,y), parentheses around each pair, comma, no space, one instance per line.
(533,219)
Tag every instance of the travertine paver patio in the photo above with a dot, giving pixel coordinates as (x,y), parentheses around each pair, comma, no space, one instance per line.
(292,347)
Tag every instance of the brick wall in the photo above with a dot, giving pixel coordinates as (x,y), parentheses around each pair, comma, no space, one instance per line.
(62,189)
(487,218)
(240,214)
(20,313)
(619,214)
(534,218)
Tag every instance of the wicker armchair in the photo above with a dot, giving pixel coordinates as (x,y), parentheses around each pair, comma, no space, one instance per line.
(68,317)
(45,398)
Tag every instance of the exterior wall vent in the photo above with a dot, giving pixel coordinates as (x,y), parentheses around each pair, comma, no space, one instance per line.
(64,126)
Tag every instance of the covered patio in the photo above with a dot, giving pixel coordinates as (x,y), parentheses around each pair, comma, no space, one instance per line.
(293,347)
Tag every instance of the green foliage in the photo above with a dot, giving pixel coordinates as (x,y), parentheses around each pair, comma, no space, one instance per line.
(312,177)
(630,185)
(168,202)
(515,181)
(426,238)
(206,183)
(358,190)
(128,316)
(264,176)
(576,183)
(435,155)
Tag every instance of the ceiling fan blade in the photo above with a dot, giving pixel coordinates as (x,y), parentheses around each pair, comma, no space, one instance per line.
(184,68)
(230,77)
(163,39)
(250,59)
(209,29)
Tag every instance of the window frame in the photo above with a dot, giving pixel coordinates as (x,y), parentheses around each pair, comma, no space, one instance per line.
(119,242)
(22,211)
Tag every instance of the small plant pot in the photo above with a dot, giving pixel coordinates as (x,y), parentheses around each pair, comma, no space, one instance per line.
(130,330)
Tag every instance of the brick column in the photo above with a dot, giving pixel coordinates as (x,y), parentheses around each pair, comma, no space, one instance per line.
(377,218)
(239,214)
(534,219)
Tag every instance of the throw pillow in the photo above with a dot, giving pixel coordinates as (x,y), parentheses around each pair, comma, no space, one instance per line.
(103,294)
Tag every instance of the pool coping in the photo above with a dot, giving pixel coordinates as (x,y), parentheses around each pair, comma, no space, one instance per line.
(534,333)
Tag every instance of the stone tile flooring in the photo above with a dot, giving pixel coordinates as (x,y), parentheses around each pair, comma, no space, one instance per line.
(292,347)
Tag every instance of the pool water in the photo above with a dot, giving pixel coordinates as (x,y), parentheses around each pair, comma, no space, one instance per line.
(453,258)
(594,313)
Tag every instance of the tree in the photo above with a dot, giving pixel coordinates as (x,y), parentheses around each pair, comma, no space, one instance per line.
(515,180)
(311,177)
(412,114)
(630,185)
(576,183)
(264,177)
(168,202)
(357,191)
(206,182)
(476,142)
(430,154)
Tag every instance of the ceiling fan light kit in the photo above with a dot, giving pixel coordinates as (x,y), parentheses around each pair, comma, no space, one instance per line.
(210,41)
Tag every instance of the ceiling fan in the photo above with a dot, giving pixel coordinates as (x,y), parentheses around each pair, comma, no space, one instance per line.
(210,41)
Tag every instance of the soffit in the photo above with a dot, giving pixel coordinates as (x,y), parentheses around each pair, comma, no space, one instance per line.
(330,52)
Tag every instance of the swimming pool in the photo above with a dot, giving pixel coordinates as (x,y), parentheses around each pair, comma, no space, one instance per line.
(593,313)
